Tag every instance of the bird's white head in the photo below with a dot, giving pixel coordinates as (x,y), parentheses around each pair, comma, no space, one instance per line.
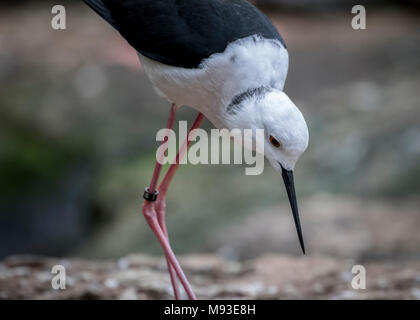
(285,129)
(285,132)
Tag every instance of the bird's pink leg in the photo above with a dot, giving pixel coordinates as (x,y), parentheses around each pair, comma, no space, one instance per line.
(151,217)
(152,188)
(164,185)
(158,166)
(155,212)
(161,203)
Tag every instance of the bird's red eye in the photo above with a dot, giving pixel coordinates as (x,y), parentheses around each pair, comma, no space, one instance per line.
(274,142)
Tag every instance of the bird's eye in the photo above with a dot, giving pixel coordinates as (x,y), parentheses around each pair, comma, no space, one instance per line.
(274,142)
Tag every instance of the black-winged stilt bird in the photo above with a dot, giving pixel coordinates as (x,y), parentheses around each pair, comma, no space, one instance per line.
(225,59)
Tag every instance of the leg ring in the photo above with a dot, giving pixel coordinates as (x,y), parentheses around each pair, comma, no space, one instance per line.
(150,196)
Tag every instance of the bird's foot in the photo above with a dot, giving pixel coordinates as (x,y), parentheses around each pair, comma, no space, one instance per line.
(154,212)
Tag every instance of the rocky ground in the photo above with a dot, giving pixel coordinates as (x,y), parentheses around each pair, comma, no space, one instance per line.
(267,277)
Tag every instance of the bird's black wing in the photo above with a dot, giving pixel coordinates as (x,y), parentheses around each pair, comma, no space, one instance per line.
(183,32)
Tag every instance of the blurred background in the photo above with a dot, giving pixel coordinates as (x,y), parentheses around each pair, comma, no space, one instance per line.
(78,120)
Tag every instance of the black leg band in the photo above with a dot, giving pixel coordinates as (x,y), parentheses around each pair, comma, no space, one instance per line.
(149,196)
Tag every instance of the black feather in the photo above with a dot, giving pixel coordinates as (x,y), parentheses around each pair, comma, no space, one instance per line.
(237,100)
(183,33)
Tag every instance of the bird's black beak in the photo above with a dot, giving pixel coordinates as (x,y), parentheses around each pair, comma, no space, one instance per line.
(290,187)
